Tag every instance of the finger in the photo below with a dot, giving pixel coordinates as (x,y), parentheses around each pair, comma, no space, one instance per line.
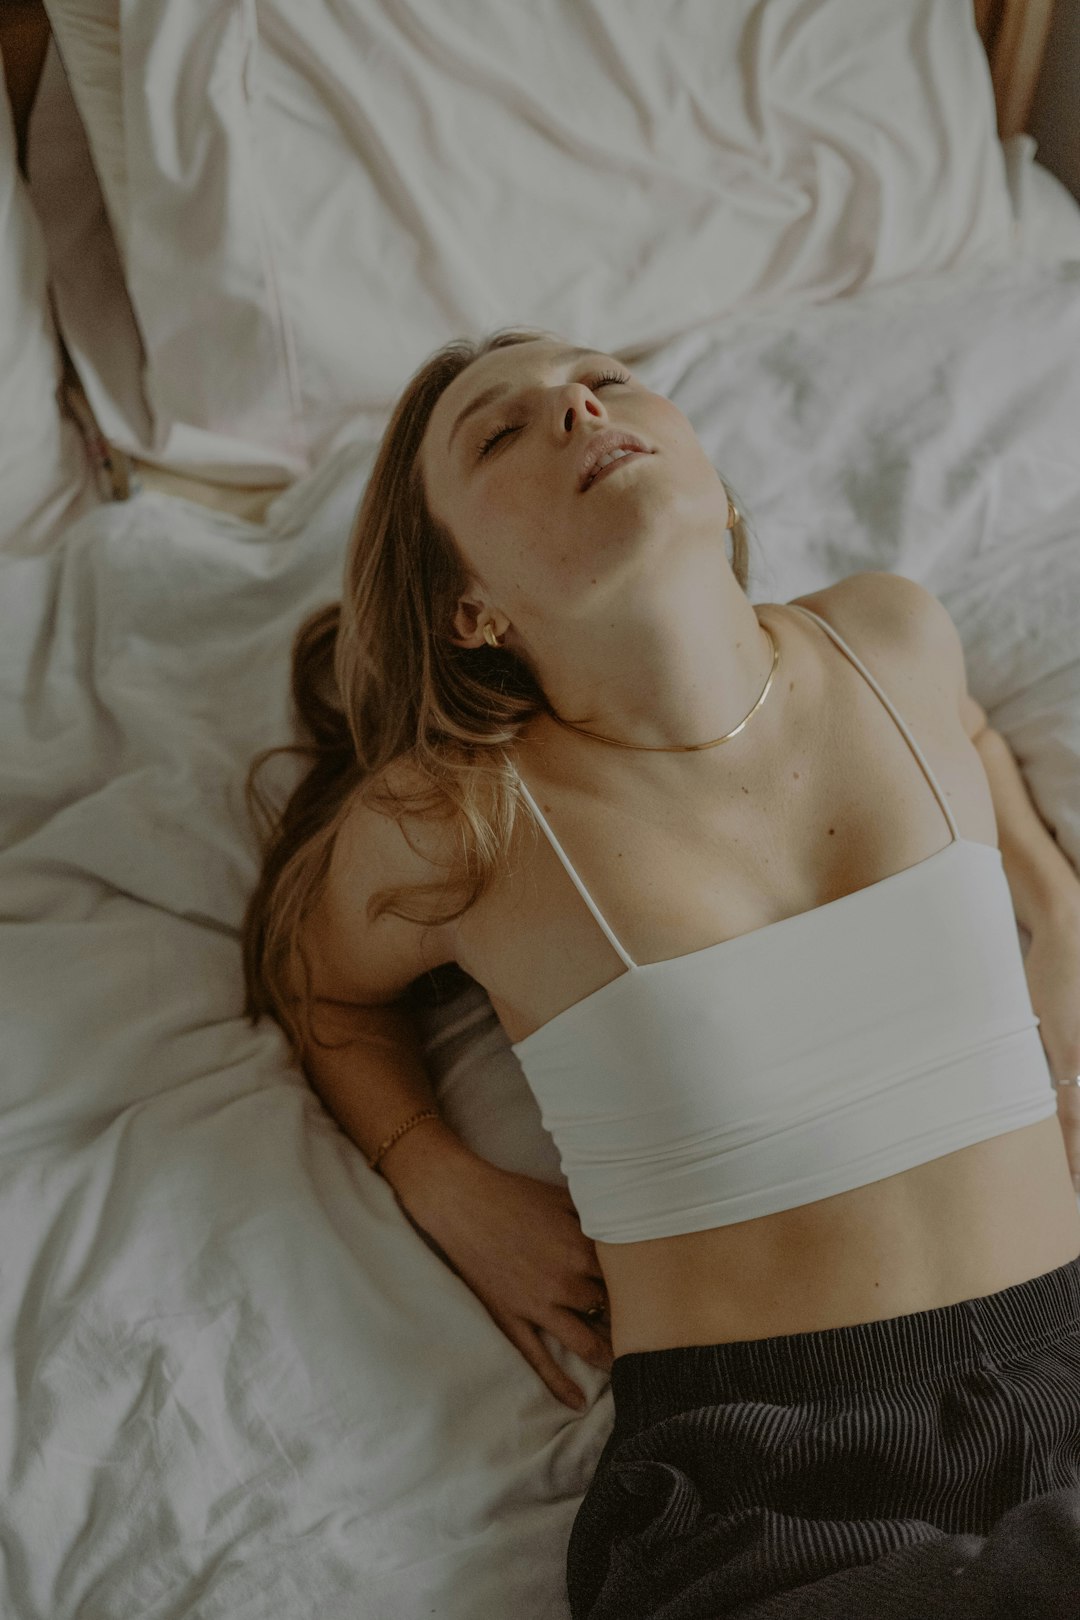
(584,1338)
(582,1291)
(524,1336)
(584,1300)
(598,1325)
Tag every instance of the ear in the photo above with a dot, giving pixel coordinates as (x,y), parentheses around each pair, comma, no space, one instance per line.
(470,616)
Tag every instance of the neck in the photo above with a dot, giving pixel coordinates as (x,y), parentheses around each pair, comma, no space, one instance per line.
(681,666)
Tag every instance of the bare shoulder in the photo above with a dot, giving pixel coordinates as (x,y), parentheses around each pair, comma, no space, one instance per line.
(356,956)
(889,606)
(900,621)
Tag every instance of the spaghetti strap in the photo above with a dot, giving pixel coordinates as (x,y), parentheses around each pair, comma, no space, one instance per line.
(581,889)
(916,750)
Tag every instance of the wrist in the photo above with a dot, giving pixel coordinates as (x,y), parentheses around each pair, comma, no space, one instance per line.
(418,1162)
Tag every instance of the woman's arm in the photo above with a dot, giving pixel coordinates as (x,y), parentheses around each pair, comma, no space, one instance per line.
(1044,886)
(372,1076)
(1046,898)
(515,1241)
(372,1081)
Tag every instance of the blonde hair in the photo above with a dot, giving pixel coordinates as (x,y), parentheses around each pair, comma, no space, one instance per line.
(377,680)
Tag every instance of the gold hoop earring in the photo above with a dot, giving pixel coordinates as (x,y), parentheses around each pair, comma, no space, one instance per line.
(732,512)
(489,635)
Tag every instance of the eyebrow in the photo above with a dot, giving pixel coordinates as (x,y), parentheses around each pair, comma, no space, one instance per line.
(499,389)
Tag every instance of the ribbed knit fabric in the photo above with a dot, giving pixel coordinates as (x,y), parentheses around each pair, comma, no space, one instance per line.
(918,1467)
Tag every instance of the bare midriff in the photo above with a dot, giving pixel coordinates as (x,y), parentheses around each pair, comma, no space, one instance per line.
(970,1223)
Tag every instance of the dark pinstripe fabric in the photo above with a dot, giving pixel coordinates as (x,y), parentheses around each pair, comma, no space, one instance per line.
(922,1466)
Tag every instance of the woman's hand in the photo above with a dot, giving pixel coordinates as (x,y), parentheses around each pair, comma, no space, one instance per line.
(1052,965)
(518,1244)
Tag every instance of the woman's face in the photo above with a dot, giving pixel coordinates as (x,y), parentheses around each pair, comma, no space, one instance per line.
(536,545)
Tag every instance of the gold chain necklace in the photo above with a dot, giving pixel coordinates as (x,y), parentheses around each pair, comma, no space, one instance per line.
(680,748)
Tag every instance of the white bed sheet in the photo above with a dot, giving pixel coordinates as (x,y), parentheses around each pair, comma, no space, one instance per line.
(343,185)
(100,326)
(236,1381)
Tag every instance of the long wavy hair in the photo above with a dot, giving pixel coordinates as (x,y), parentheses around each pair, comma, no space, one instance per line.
(376,679)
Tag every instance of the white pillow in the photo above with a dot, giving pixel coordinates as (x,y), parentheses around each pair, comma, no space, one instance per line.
(308,201)
(45,476)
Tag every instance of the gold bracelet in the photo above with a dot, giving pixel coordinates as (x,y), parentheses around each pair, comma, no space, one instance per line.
(428,1113)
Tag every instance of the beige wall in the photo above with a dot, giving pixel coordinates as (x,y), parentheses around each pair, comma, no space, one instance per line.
(1055,112)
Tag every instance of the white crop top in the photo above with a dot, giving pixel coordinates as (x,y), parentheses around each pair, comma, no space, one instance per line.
(821,1052)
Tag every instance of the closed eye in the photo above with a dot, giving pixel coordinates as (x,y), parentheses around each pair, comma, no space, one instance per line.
(511,427)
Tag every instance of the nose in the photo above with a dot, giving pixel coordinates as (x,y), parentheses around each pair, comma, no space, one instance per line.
(588,403)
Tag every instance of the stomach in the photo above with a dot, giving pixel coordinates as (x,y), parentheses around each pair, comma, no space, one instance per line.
(970,1223)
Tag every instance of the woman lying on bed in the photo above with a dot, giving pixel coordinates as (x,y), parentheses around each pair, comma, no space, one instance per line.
(729,874)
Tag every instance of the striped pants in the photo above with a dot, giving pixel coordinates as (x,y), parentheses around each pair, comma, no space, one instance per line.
(924,1467)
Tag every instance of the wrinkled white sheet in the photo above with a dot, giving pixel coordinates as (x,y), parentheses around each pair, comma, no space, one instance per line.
(344,184)
(236,1382)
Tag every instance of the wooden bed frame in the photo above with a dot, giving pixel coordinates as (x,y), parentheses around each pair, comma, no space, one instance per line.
(1013,31)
